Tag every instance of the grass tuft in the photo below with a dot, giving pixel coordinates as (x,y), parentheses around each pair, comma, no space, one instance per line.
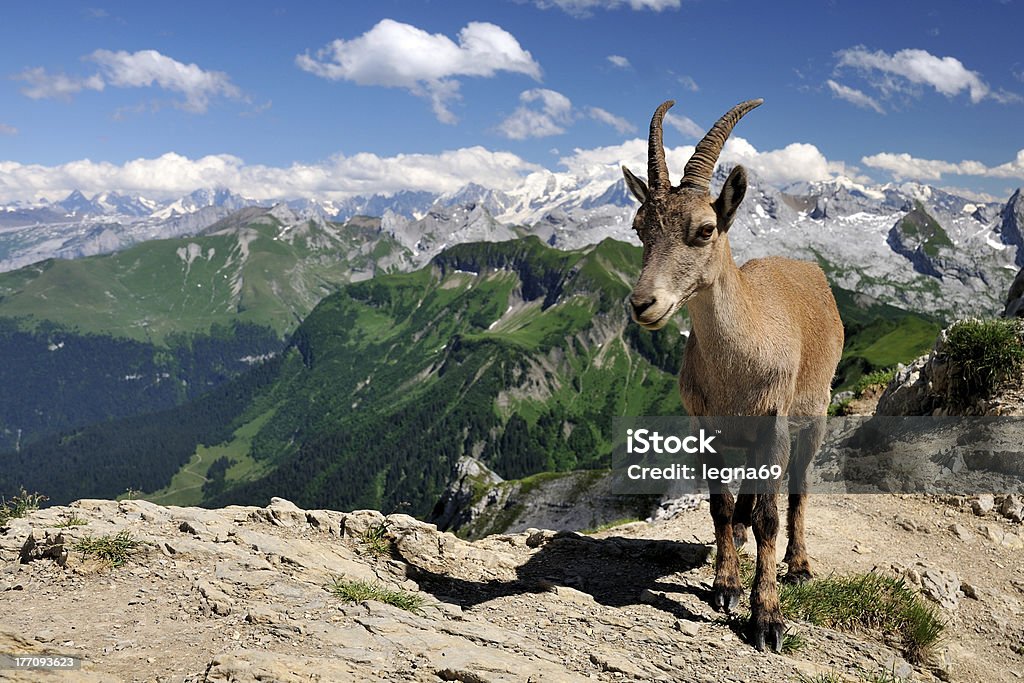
(375,540)
(985,351)
(792,642)
(71,520)
(610,525)
(829,677)
(115,550)
(876,378)
(19,505)
(833,676)
(867,601)
(358,591)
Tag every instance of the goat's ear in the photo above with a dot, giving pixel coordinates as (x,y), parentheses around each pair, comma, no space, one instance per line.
(731,197)
(635,185)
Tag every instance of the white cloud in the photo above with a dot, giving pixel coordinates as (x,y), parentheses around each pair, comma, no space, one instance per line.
(904,166)
(582,8)
(551,118)
(398,55)
(6,129)
(793,163)
(172,175)
(42,84)
(617,122)
(619,61)
(853,96)
(797,161)
(144,68)
(688,83)
(147,68)
(685,125)
(898,72)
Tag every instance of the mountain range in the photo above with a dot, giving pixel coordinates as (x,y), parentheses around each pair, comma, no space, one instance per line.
(911,245)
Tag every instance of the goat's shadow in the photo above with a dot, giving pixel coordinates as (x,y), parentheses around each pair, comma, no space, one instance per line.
(614,571)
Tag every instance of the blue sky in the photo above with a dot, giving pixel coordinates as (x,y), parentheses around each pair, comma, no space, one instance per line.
(335,98)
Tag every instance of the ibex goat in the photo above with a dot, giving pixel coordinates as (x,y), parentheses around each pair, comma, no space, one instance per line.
(765,341)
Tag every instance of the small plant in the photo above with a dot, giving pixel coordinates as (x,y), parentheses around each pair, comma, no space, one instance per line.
(115,550)
(792,642)
(881,676)
(375,540)
(839,409)
(876,378)
(867,601)
(830,677)
(71,520)
(610,525)
(984,351)
(20,505)
(358,591)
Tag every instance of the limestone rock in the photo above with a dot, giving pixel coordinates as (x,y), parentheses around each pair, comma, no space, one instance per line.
(1015,297)
(983,504)
(942,586)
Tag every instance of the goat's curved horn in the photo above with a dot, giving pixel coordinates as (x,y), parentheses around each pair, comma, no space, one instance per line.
(657,168)
(699,168)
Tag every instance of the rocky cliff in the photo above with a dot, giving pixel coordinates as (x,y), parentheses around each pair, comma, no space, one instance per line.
(148,593)
(938,383)
(1015,298)
(478,502)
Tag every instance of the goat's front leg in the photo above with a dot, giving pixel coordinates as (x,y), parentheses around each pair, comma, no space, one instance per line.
(727,588)
(766,621)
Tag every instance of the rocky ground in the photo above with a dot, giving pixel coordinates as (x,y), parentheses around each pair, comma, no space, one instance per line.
(239,594)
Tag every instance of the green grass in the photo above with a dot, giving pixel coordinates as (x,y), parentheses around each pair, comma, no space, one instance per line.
(867,601)
(872,379)
(358,591)
(149,291)
(919,225)
(115,550)
(792,642)
(375,540)
(186,487)
(72,520)
(610,525)
(841,408)
(19,505)
(985,351)
(880,676)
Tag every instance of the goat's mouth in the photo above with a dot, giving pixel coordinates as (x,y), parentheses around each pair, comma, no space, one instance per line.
(661,320)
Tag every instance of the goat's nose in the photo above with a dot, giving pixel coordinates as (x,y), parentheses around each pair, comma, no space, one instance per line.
(641,303)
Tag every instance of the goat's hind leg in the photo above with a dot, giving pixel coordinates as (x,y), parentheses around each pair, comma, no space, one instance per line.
(808,442)
(741,515)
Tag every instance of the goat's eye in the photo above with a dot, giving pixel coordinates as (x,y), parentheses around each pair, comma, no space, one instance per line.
(706,231)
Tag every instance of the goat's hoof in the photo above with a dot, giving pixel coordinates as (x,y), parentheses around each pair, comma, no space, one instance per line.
(726,598)
(739,535)
(768,632)
(796,576)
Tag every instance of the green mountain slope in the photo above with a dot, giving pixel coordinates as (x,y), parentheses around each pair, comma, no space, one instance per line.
(55,380)
(266,267)
(512,352)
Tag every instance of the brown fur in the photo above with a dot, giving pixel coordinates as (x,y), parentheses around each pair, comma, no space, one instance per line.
(765,341)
